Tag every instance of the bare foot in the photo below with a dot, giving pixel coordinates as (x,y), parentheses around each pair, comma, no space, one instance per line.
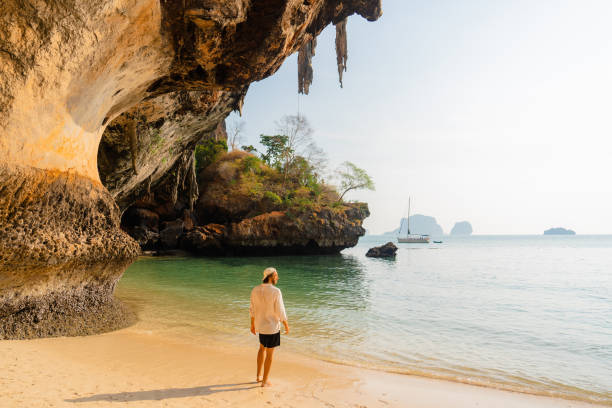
(266,384)
(259,379)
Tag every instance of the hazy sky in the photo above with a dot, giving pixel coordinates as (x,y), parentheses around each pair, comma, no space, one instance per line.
(495,112)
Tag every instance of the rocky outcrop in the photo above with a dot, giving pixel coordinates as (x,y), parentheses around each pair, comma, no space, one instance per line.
(462,228)
(559,231)
(237,214)
(68,70)
(384,251)
(326,231)
(240,202)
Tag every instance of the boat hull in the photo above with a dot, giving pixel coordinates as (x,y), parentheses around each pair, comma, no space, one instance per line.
(413,240)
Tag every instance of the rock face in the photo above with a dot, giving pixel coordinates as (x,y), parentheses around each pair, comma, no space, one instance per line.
(278,233)
(384,251)
(68,70)
(61,254)
(166,130)
(559,231)
(462,228)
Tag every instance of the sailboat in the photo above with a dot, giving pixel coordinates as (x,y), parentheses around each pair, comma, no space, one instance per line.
(412,238)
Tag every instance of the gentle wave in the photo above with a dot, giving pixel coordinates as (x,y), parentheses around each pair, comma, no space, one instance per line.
(520,384)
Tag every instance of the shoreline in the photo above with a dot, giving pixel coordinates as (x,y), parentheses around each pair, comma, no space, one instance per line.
(479,382)
(138,367)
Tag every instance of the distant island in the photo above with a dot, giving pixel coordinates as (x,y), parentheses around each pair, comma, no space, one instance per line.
(462,228)
(419,224)
(559,231)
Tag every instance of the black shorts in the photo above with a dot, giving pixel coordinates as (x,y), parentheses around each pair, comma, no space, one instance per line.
(269,340)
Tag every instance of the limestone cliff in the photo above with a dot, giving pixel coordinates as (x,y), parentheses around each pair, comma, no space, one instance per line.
(462,228)
(68,70)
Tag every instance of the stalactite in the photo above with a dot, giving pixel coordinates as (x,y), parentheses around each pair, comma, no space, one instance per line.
(241,104)
(305,65)
(341,49)
(131,131)
(193,183)
(175,185)
(185,173)
(184,164)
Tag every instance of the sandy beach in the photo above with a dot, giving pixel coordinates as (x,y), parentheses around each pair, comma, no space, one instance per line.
(134,368)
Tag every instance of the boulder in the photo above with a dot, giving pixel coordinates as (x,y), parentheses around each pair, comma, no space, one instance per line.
(170,234)
(146,238)
(203,239)
(384,251)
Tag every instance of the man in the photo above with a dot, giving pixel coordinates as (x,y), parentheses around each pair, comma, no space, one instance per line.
(267,312)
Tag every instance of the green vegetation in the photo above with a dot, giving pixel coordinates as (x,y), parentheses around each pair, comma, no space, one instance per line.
(251,164)
(286,175)
(251,179)
(353,178)
(156,141)
(273,198)
(276,148)
(208,151)
(249,149)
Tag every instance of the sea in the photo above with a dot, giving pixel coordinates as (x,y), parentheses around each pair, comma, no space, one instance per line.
(523,313)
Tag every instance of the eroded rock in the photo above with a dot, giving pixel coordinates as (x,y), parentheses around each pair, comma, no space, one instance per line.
(61,255)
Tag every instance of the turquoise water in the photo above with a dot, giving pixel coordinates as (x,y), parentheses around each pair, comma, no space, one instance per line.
(527,313)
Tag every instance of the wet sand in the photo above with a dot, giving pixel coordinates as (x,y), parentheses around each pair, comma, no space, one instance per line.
(135,368)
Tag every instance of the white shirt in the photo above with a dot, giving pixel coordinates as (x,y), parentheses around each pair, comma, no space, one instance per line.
(267,308)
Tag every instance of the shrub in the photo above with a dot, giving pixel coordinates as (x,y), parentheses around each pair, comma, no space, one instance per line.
(302,192)
(272,197)
(255,190)
(251,164)
(207,151)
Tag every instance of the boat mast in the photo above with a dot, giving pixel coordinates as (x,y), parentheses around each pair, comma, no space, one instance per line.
(408,219)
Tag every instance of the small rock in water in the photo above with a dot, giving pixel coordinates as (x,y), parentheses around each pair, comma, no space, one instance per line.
(383,251)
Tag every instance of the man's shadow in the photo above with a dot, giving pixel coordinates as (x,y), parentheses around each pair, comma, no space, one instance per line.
(156,395)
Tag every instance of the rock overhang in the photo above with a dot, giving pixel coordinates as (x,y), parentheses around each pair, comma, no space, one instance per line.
(70,68)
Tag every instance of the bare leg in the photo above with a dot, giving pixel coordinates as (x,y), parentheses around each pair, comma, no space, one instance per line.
(260,360)
(267,365)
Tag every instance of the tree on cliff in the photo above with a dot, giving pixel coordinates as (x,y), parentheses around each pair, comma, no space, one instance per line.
(275,146)
(353,178)
(293,151)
